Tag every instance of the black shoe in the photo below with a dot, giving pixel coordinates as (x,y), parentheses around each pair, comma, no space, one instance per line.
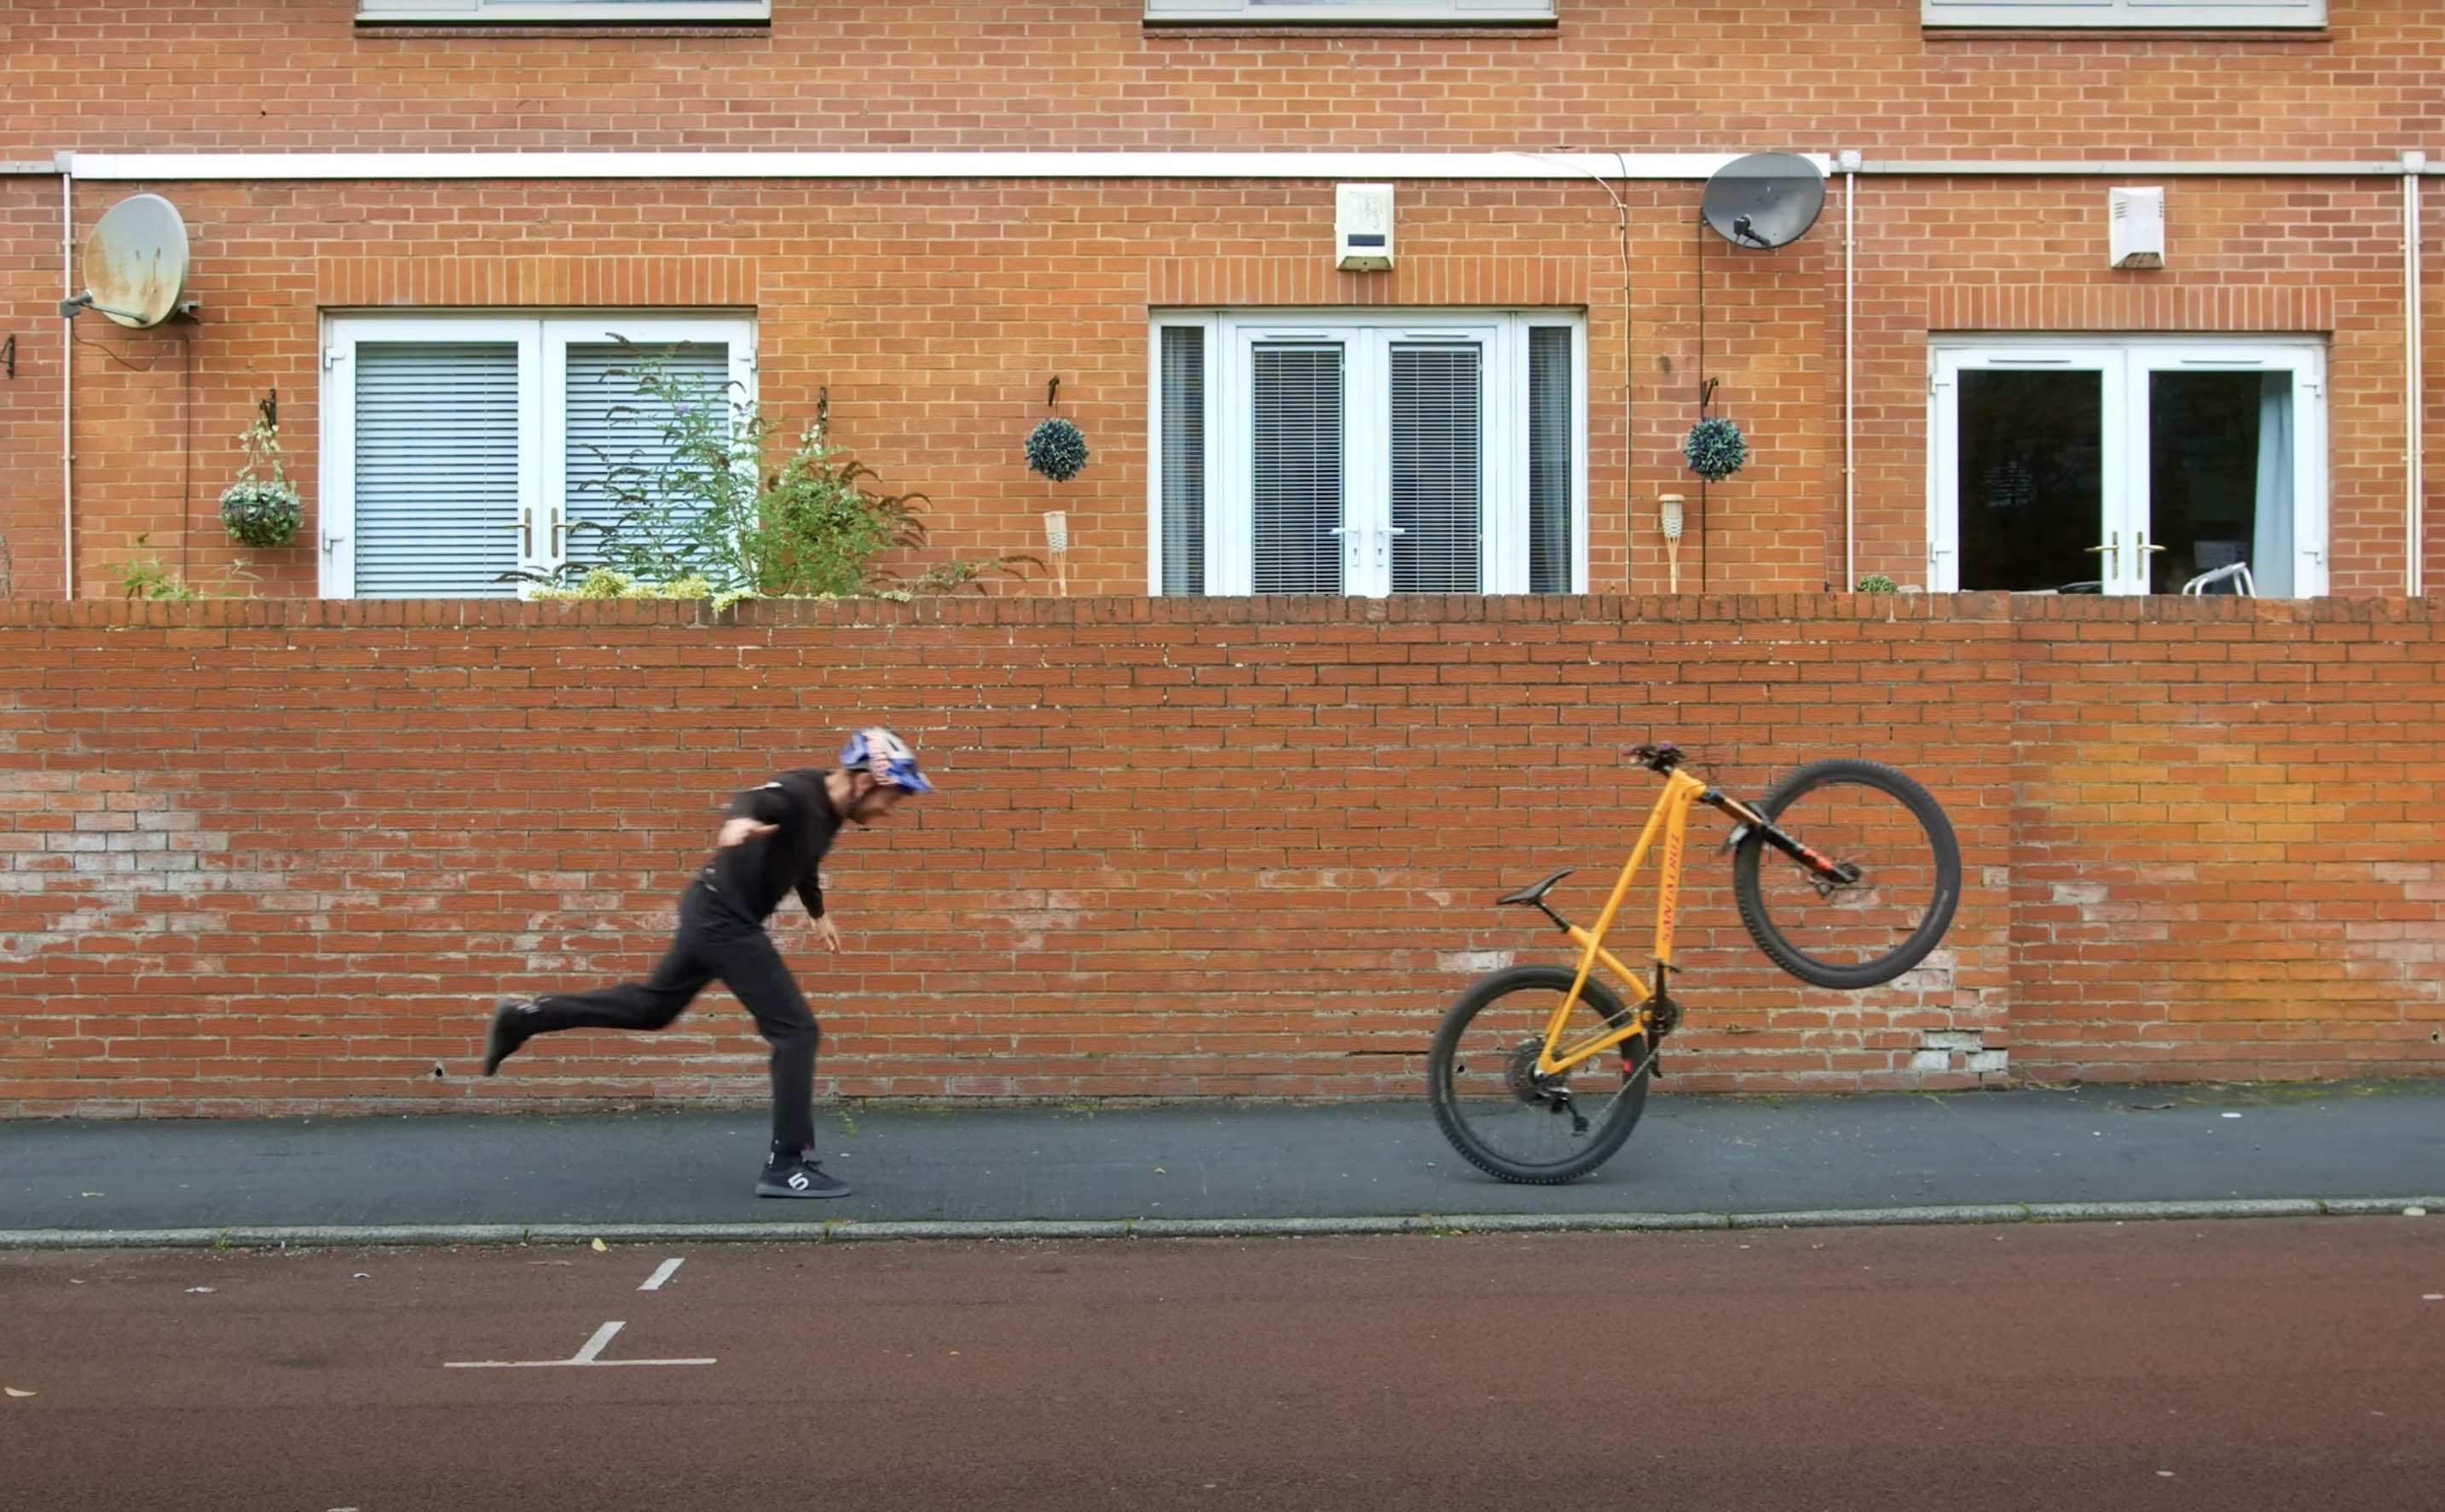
(803,1179)
(503,1038)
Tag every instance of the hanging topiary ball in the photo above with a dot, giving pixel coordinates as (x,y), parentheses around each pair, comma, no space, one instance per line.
(1057,449)
(260,512)
(1715,449)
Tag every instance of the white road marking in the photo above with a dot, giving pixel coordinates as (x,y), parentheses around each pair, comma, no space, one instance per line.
(594,1346)
(654,1283)
(586,1355)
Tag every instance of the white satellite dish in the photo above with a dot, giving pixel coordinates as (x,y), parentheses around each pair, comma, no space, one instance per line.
(135,262)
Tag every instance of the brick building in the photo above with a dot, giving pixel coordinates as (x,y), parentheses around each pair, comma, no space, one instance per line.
(420,225)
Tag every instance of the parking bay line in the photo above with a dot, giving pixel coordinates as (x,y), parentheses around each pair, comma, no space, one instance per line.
(586,1354)
(654,1283)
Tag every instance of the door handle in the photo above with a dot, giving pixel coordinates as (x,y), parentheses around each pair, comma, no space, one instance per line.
(2113,549)
(555,534)
(526,535)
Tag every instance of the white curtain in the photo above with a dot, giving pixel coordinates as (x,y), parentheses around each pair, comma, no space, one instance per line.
(2270,547)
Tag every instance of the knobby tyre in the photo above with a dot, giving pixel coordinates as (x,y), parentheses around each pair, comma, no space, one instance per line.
(1500,1115)
(1853,935)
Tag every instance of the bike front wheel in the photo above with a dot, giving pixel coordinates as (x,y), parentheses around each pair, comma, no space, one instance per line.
(1888,832)
(1504,1118)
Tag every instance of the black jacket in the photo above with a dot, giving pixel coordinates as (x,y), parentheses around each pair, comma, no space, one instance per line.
(754,875)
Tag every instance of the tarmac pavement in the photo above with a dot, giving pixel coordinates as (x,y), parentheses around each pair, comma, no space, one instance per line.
(1694,1161)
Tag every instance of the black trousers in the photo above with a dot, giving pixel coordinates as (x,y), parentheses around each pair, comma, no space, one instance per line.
(714,942)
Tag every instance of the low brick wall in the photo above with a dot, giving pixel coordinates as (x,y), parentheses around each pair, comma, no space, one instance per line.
(278,855)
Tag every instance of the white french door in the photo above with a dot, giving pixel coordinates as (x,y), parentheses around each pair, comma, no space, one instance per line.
(2128,466)
(1420,452)
(462,454)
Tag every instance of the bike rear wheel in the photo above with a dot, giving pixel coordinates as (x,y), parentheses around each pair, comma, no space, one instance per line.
(1501,1115)
(1854,934)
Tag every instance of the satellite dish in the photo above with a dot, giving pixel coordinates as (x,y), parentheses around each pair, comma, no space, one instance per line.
(135,262)
(1764,199)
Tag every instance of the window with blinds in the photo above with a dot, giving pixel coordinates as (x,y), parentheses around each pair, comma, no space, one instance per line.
(1553,422)
(1368,453)
(1437,453)
(1295,469)
(436,469)
(616,440)
(1183,409)
(1361,12)
(601,12)
(2202,14)
(462,454)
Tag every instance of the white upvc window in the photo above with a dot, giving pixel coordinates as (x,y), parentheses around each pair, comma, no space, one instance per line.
(2156,14)
(1368,453)
(558,12)
(1387,12)
(2128,465)
(458,453)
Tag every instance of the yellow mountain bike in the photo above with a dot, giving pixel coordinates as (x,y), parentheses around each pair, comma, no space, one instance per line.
(1846,874)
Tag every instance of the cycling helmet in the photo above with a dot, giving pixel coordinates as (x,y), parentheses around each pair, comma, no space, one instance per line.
(884,756)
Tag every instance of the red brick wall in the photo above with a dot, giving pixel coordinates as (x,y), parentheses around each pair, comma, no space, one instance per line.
(933,365)
(936,366)
(870,75)
(278,855)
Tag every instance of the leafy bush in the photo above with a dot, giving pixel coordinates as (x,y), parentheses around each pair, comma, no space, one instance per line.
(708,511)
(1876,583)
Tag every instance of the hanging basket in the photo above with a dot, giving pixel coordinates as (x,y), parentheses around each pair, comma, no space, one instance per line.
(261,513)
(1714,449)
(1057,449)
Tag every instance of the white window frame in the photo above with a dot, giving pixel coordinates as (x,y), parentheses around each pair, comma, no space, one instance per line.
(1311,12)
(2107,13)
(2125,364)
(1366,336)
(543,341)
(557,12)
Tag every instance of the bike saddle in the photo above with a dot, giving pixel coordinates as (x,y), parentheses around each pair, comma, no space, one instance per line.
(1535,892)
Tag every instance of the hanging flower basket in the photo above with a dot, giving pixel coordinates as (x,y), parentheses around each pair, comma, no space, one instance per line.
(1057,449)
(1715,449)
(261,511)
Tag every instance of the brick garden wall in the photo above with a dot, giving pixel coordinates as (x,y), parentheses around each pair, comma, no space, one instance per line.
(277,855)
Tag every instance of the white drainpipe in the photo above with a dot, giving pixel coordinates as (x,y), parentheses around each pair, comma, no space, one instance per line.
(67,163)
(2414,397)
(1849,159)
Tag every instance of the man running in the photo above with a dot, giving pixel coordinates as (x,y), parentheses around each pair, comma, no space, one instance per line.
(769,846)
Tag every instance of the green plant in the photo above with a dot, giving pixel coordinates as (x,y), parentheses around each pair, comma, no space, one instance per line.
(1716,449)
(605,582)
(261,511)
(1057,449)
(704,506)
(147,578)
(1876,583)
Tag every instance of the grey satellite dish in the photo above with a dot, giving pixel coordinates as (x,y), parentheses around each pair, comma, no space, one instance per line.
(135,262)
(1764,199)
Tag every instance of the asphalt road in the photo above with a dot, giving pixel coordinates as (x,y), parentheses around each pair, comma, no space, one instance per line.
(2194,1365)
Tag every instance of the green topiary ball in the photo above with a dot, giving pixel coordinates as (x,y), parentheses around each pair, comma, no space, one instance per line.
(261,513)
(1057,449)
(1715,449)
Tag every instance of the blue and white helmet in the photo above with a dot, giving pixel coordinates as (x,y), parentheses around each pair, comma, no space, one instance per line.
(884,756)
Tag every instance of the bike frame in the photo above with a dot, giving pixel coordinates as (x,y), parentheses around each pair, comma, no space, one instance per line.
(1669,821)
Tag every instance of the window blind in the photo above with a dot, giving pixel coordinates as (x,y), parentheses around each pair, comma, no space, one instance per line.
(616,440)
(1184,460)
(1552,414)
(436,469)
(1437,467)
(1295,463)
